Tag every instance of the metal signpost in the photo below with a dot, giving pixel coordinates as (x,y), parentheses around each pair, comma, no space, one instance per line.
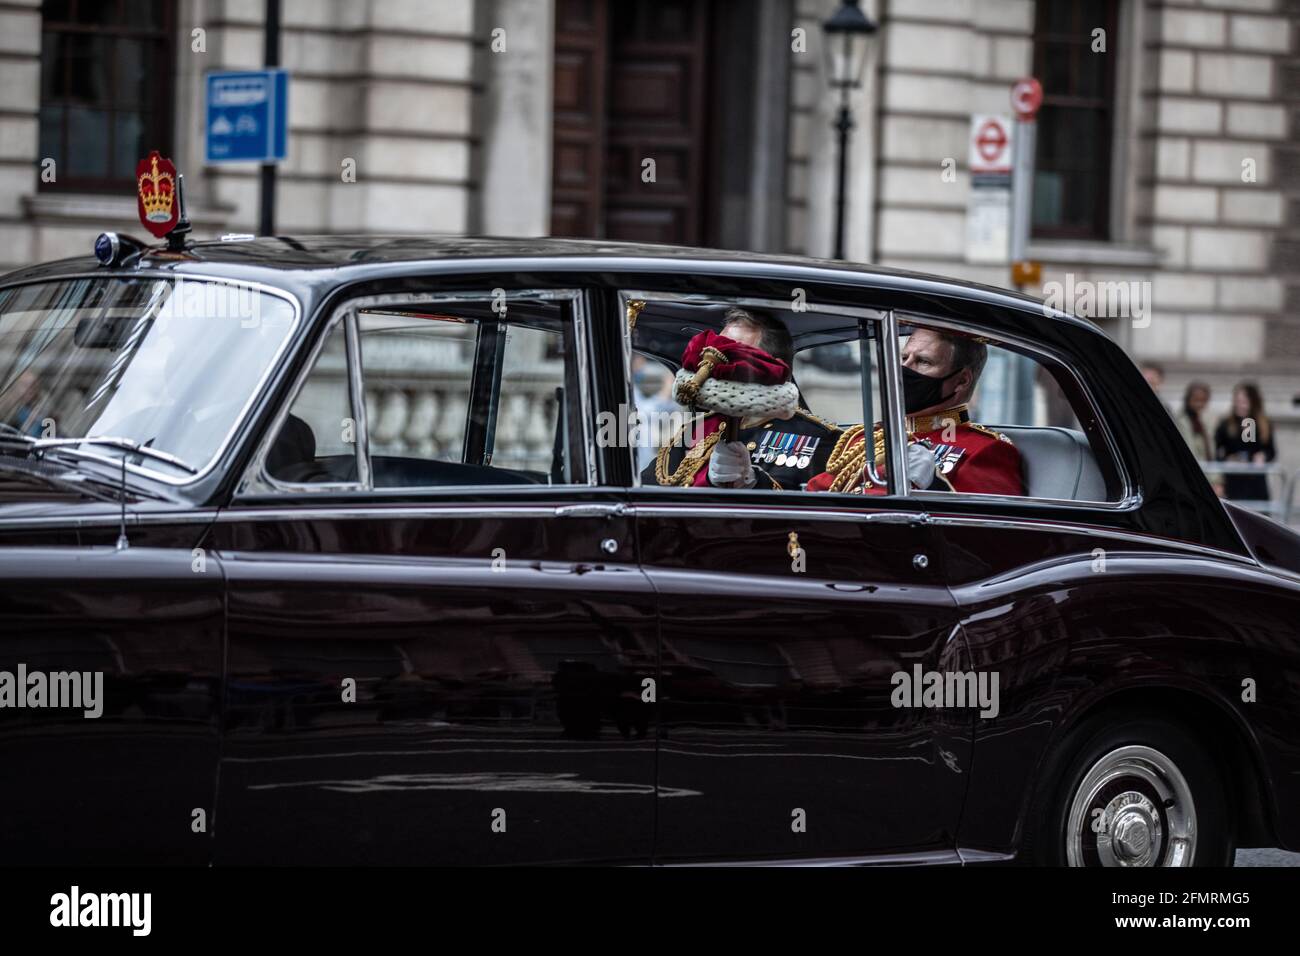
(1026,97)
(248,117)
(988,210)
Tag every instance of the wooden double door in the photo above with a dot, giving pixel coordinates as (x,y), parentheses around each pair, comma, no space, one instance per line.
(646,118)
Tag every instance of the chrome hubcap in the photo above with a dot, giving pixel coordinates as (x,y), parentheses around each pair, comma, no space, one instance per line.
(1132,808)
(1133,824)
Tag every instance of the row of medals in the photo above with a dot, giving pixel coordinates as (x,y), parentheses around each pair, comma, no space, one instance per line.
(782,459)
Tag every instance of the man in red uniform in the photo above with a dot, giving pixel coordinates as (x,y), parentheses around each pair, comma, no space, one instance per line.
(946,451)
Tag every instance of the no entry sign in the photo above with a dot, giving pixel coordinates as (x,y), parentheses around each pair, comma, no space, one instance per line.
(990,145)
(1026,97)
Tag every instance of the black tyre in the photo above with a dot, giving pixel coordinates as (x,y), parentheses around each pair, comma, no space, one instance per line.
(1132,791)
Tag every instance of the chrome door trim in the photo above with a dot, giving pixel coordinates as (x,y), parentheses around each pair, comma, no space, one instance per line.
(586,403)
(1107,507)
(758,511)
(375,512)
(895,434)
(357,391)
(969,856)
(918,858)
(133,519)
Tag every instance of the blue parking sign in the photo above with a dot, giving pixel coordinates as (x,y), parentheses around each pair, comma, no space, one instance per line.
(247,116)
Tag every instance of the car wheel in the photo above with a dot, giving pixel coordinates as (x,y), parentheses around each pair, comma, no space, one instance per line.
(1137,792)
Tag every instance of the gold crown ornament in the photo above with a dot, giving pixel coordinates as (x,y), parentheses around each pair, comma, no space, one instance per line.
(155,178)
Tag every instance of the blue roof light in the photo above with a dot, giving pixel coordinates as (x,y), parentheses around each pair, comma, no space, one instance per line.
(107,248)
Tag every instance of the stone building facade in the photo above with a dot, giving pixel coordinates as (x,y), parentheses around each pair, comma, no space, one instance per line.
(529,117)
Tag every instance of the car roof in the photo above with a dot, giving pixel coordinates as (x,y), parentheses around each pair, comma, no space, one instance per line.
(341,251)
(337,259)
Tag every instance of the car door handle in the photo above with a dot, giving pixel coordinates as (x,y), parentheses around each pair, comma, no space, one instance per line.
(590,511)
(898,517)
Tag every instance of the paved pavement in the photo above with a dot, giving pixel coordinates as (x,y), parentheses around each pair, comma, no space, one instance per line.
(1267,858)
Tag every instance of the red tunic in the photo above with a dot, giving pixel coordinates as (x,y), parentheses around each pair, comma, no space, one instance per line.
(987,465)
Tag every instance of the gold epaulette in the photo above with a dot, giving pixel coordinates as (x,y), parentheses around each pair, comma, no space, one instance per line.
(832,426)
(847,461)
(841,449)
(691,462)
(988,431)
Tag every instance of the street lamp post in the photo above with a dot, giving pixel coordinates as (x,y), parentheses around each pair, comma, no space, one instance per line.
(845,61)
(271,57)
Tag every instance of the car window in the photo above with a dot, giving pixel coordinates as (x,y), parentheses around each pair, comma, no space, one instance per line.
(789,425)
(170,363)
(317,441)
(999,419)
(461,394)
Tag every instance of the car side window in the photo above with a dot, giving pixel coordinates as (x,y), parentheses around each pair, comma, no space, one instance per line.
(796,384)
(998,419)
(472,393)
(456,397)
(316,443)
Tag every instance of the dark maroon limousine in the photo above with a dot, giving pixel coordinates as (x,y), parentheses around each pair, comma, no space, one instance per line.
(376,550)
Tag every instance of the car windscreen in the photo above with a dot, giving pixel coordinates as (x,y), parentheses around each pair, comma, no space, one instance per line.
(168,363)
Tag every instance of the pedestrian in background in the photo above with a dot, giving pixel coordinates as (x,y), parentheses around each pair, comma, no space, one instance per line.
(1154,373)
(1195,399)
(1191,425)
(1245,435)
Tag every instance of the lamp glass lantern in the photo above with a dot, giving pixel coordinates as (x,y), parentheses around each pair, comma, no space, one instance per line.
(847,32)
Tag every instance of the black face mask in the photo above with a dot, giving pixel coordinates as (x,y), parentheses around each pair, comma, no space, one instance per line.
(924,391)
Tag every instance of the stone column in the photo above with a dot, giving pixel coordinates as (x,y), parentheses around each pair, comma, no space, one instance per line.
(513,117)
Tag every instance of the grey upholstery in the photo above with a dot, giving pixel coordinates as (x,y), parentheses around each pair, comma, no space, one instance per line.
(1057,463)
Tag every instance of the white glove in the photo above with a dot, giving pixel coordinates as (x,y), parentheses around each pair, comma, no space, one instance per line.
(920,465)
(730,467)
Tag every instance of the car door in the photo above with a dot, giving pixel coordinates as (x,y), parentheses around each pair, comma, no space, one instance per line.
(112,757)
(785,618)
(438,635)
(1064,588)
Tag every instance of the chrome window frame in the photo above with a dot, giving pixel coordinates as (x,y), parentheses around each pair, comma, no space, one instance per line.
(1130,498)
(704,299)
(256,482)
(895,437)
(254,394)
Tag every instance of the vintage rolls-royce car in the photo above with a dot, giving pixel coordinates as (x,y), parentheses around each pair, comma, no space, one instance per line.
(368,550)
